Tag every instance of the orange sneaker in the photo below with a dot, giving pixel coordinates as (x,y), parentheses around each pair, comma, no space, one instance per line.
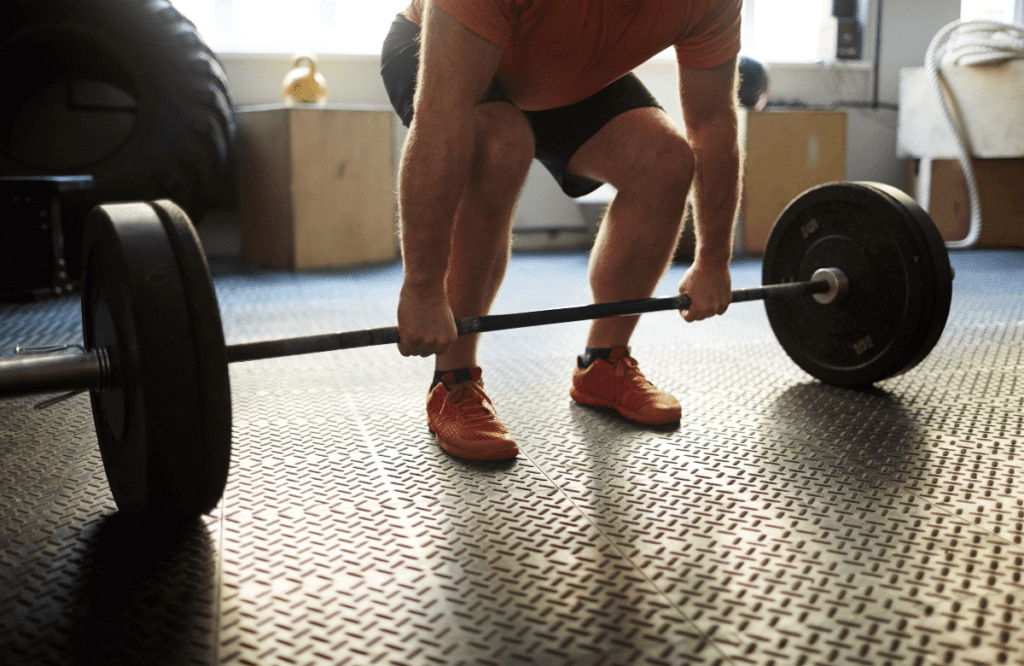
(463,419)
(618,383)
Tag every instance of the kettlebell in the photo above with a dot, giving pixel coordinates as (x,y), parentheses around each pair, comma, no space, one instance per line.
(303,84)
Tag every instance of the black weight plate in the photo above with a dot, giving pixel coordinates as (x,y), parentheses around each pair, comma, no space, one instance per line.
(936,310)
(214,385)
(874,331)
(156,428)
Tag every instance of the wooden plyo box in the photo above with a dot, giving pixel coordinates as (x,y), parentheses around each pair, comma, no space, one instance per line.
(317,186)
(1000,188)
(787,152)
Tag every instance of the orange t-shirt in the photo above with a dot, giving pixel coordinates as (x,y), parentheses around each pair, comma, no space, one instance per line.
(558,52)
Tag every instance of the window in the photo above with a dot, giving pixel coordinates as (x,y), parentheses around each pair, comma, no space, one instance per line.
(991,10)
(785,30)
(279,26)
(773,30)
(798,30)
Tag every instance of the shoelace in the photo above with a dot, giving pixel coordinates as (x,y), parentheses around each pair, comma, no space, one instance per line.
(462,396)
(628,366)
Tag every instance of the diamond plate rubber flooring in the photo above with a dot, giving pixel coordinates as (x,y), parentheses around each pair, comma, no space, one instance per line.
(782,522)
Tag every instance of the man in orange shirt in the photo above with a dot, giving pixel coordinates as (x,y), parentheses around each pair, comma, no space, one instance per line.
(487,85)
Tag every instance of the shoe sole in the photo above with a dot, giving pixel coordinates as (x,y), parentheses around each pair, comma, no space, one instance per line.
(496,454)
(594,401)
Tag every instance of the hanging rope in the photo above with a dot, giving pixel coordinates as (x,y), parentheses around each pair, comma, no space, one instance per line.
(969,44)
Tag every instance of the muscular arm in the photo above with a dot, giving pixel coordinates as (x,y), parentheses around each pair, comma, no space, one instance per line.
(456,66)
(709,111)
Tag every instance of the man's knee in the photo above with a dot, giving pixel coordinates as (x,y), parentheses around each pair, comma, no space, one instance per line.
(505,143)
(670,167)
(661,180)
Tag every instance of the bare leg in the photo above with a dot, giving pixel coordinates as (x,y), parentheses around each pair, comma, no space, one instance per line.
(481,234)
(649,162)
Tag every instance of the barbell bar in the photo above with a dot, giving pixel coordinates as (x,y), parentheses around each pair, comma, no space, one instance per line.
(857,289)
(91,370)
(253,351)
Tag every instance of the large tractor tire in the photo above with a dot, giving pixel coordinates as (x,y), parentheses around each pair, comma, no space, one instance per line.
(123,90)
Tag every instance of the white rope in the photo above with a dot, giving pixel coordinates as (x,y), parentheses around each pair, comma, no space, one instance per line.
(969,43)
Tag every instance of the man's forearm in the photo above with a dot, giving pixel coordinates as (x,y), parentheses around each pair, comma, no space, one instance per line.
(435,166)
(716,189)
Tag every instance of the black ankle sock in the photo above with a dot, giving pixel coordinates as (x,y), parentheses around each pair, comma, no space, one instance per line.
(461,375)
(591,354)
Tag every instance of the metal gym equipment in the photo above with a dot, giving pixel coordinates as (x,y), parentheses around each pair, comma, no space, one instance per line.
(857,289)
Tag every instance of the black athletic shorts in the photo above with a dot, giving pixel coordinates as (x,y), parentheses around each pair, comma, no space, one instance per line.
(558,133)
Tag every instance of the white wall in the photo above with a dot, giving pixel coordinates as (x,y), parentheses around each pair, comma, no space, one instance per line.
(908,26)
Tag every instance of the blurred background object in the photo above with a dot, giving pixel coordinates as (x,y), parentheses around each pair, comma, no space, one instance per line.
(303,84)
(754,84)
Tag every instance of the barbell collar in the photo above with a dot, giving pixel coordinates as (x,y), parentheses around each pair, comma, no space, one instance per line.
(838,285)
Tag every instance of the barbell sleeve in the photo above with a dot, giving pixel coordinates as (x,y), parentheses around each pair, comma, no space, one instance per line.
(53,374)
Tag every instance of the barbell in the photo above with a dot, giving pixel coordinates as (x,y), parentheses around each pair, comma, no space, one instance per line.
(857,289)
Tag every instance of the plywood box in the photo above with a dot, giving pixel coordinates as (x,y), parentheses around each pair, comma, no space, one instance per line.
(988,101)
(787,152)
(317,186)
(1000,188)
